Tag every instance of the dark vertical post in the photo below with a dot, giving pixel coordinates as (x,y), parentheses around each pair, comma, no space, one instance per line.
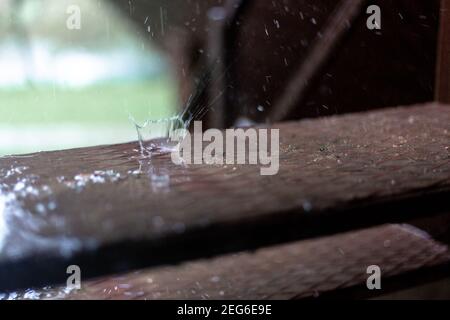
(442,92)
(216,63)
(221,43)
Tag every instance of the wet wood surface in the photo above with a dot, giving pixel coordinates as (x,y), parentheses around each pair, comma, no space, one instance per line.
(108,210)
(319,268)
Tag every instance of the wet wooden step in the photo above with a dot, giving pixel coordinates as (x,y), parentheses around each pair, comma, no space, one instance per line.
(108,210)
(324,267)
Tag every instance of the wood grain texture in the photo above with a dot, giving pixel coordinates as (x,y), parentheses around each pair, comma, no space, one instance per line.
(306,269)
(336,174)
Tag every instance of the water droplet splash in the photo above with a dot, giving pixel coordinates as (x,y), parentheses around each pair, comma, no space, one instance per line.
(160,136)
(81,181)
(165,135)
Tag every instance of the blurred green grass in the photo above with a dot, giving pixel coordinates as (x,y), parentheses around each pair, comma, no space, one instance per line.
(46,118)
(106,103)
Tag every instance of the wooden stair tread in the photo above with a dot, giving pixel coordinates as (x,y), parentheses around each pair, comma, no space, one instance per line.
(305,269)
(336,174)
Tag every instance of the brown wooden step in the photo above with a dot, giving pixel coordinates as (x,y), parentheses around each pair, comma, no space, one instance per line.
(305,269)
(336,174)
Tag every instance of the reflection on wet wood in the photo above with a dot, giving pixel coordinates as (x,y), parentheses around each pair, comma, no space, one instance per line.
(108,210)
(311,268)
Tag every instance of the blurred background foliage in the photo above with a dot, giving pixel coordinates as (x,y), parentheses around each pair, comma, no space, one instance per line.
(62,88)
